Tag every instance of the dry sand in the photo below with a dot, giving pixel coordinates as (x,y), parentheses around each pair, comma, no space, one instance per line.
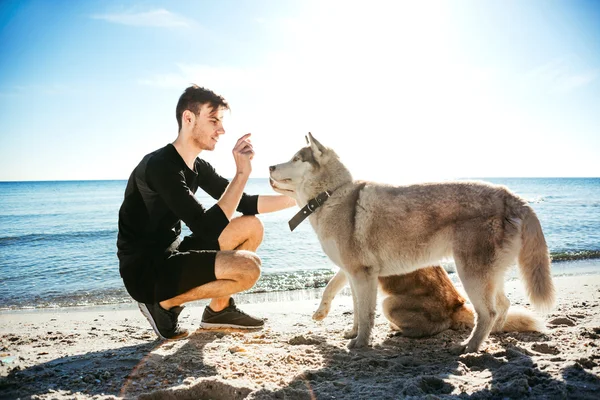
(110,352)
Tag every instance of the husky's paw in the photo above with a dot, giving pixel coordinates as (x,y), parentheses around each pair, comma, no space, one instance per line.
(321,313)
(351,333)
(357,343)
(465,347)
(471,346)
(457,350)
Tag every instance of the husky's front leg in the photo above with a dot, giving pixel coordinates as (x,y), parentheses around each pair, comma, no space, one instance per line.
(352,333)
(333,287)
(364,290)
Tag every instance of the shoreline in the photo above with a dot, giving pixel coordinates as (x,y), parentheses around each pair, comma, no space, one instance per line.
(111,352)
(240,298)
(560,269)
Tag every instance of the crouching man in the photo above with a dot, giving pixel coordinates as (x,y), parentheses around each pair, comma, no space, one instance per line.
(161,271)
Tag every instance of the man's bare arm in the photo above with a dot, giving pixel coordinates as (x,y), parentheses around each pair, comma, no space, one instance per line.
(271,203)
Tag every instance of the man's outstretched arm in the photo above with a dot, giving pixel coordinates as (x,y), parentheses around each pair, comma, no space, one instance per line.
(271,203)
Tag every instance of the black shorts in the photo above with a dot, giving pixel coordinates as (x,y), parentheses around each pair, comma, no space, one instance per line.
(189,265)
(183,266)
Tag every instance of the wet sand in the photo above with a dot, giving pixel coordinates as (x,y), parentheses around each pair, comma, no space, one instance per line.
(111,352)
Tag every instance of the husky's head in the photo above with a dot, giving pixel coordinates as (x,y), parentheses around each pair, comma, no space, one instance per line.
(312,170)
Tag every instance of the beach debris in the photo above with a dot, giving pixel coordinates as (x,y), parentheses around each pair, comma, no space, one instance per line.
(7,360)
(301,340)
(562,321)
(481,361)
(587,363)
(237,349)
(257,341)
(426,385)
(545,348)
(594,333)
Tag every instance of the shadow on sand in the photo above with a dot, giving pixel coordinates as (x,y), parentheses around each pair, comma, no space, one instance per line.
(397,367)
(123,372)
(402,368)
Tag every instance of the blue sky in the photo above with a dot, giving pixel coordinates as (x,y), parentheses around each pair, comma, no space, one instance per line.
(403,91)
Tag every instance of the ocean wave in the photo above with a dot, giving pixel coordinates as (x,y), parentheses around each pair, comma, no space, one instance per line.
(272,284)
(79,298)
(268,283)
(283,281)
(536,200)
(52,237)
(573,255)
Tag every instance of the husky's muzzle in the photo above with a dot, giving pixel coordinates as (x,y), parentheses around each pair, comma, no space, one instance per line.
(280,185)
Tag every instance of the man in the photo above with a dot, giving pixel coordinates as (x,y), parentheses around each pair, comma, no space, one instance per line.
(162,272)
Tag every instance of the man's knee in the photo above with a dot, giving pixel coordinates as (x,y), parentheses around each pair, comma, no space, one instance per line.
(248,267)
(256,227)
(254,268)
(241,266)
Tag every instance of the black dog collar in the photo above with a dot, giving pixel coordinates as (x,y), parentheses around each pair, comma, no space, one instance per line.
(309,208)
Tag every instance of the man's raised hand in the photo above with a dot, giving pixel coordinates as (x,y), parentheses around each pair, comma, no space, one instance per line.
(243,153)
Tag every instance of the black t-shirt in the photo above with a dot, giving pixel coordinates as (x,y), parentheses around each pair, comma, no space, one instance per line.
(159,195)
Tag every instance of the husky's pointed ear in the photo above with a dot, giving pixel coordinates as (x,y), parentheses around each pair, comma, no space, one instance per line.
(315,145)
(306,137)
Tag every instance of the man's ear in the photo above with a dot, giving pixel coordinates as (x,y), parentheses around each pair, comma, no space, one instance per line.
(188,117)
(316,147)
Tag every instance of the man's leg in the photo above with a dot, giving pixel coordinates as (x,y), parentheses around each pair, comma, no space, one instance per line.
(235,271)
(242,233)
(237,268)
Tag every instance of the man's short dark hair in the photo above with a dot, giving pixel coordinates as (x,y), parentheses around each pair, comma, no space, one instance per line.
(194,97)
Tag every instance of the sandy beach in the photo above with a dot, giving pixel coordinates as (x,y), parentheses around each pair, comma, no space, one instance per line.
(110,352)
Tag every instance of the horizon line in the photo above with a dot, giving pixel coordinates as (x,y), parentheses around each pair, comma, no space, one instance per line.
(266,177)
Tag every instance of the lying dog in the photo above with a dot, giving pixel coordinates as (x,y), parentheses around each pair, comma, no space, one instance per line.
(373,230)
(425,303)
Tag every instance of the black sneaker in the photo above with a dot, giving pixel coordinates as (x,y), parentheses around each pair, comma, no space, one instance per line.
(164,322)
(229,317)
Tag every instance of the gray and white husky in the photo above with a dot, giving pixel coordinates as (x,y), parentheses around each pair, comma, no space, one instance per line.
(373,230)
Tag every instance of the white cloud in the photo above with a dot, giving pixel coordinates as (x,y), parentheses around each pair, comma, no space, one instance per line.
(46,89)
(159,18)
(563,75)
(572,82)
(169,80)
(219,79)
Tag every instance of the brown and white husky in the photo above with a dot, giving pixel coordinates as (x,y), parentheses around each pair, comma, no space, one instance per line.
(372,230)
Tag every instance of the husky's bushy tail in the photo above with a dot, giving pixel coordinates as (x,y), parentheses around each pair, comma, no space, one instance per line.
(534,262)
(517,320)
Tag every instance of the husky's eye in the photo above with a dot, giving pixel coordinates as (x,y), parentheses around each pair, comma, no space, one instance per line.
(295,159)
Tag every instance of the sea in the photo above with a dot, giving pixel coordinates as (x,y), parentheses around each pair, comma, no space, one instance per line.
(58,239)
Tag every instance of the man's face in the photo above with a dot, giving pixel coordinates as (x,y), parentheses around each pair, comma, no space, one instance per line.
(208,127)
